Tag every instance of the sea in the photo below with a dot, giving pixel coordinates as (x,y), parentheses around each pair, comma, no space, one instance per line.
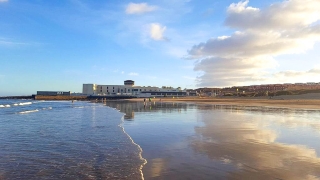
(156,140)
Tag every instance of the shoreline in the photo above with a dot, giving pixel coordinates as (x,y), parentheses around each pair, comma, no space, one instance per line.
(309,101)
(306,104)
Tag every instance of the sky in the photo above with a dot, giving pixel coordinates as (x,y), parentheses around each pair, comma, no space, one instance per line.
(60,45)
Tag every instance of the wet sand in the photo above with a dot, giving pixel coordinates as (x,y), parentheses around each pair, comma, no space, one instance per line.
(306,101)
(202,141)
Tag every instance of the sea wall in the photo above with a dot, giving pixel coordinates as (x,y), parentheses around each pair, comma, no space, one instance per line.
(79,98)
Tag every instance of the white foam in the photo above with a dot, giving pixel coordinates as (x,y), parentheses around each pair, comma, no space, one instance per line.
(79,107)
(144,161)
(26,112)
(5,106)
(26,103)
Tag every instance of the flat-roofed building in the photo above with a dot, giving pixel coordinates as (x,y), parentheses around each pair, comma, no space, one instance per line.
(89,89)
(129,89)
(54,93)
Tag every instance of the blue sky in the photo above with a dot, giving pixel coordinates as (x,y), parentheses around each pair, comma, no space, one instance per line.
(59,45)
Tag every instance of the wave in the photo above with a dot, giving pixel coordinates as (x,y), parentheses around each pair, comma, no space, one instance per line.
(79,107)
(26,103)
(143,160)
(30,111)
(22,104)
(15,104)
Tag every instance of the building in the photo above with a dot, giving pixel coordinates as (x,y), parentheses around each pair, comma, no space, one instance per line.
(130,89)
(208,91)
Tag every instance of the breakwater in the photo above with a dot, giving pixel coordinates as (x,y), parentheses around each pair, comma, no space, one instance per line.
(78,98)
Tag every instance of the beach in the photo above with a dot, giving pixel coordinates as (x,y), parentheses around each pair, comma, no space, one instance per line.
(305,101)
(171,138)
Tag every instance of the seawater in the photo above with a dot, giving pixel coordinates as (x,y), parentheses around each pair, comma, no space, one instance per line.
(64,140)
(200,141)
(81,140)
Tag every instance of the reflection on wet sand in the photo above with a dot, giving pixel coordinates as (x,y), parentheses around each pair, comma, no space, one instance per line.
(157,166)
(226,142)
(129,108)
(250,146)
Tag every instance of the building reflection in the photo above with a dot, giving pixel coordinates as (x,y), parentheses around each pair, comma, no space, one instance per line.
(130,108)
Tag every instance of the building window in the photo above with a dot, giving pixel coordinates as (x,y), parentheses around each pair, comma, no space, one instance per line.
(107,87)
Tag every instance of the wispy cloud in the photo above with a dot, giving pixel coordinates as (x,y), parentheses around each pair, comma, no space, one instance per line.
(1,1)
(187,67)
(150,77)
(133,74)
(290,76)
(139,8)
(12,43)
(248,54)
(118,71)
(189,78)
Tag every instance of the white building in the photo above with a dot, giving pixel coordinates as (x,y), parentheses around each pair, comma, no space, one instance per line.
(130,89)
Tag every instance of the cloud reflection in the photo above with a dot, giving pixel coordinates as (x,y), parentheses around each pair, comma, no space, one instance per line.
(245,142)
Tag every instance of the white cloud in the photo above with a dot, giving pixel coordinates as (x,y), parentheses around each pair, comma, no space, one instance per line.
(233,71)
(3,1)
(289,27)
(139,8)
(156,31)
(133,74)
(240,7)
(283,15)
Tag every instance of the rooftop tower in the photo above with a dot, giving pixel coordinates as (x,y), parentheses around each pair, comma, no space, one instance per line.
(129,83)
